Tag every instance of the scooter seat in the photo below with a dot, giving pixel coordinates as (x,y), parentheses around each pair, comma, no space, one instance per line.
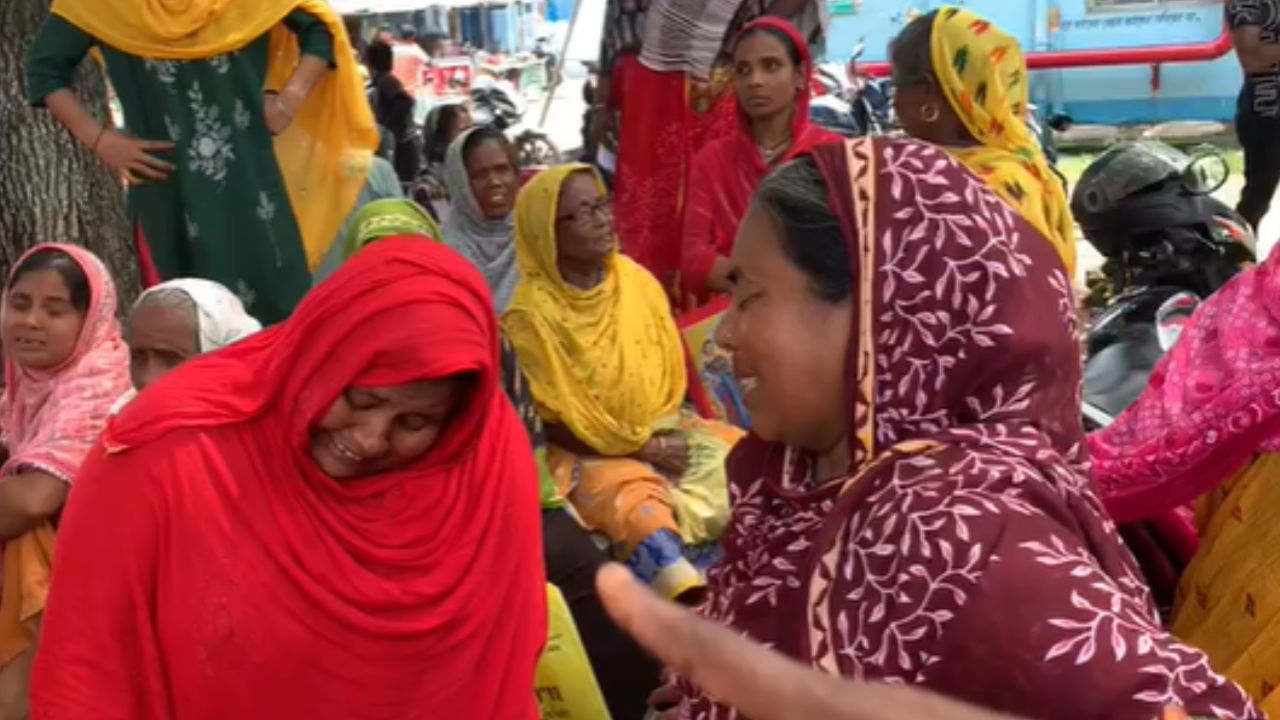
(1117,375)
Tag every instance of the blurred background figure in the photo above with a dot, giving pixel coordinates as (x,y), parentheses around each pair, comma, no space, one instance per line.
(393,108)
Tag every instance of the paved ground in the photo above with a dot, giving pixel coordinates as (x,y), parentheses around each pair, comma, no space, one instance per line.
(565,111)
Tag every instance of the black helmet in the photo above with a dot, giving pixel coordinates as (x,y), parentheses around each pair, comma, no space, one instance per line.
(1135,189)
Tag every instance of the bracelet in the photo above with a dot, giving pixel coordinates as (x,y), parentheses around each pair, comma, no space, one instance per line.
(94,147)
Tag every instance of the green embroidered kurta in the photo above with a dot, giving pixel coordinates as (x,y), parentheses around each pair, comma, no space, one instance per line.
(223,213)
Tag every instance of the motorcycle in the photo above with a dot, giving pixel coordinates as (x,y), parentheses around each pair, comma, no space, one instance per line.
(499,106)
(1043,127)
(870,98)
(1148,209)
(850,102)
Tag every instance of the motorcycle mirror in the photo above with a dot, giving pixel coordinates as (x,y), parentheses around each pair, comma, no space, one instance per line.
(859,49)
(1173,316)
(1207,172)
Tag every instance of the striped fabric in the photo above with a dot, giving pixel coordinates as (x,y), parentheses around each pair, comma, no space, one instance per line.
(686,35)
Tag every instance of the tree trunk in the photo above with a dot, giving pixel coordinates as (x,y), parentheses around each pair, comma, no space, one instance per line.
(52,189)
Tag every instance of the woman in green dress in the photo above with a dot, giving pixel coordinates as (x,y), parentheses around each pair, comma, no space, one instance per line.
(246,141)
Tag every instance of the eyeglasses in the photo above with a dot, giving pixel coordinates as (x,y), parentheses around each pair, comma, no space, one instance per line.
(588,213)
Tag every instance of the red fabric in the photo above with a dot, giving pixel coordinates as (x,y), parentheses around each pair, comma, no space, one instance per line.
(150,274)
(655,146)
(208,569)
(726,172)
(1210,406)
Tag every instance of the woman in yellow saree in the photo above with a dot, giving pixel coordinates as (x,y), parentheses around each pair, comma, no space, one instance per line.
(600,347)
(961,83)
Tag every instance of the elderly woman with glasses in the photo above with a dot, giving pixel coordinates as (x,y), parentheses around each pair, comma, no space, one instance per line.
(605,363)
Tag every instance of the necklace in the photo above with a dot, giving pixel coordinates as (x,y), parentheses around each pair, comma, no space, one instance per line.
(771,152)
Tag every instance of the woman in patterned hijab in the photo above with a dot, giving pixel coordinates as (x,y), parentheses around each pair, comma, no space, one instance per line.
(911,506)
(962,84)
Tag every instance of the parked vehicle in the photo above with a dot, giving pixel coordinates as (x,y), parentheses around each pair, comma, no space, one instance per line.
(1148,209)
(1043,127)
(871,99)
(495,104)
(1168,243)
(849,102)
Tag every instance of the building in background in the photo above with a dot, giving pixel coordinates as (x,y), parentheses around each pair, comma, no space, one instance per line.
(1113,95)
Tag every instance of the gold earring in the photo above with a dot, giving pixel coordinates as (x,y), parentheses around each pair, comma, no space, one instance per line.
(930,113)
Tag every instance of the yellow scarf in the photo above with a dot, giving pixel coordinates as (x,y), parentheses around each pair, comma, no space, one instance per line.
(984,75)
(606,362)
(325,154)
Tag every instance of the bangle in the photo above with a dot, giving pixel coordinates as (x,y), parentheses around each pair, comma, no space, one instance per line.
(94,147)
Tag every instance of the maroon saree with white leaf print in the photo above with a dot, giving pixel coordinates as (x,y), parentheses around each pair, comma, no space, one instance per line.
(967,552)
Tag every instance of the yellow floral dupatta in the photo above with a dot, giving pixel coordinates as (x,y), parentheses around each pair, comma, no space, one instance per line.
(325,154)
(984,75)
(606,362)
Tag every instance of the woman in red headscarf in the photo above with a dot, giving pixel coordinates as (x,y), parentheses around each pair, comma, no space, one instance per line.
(773,71)
(336,518)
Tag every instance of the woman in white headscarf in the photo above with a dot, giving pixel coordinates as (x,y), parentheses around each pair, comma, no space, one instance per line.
(175,321)
(481,175)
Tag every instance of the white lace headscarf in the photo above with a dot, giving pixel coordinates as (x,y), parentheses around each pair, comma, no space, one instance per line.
(220,316)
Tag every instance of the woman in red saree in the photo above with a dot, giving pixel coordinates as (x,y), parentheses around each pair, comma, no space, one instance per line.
(658,82)
(666,91)
(911,507)
(773,72)
(336,518)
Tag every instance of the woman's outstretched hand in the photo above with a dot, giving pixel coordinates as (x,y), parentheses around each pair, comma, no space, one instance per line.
(760,683)
(132,157)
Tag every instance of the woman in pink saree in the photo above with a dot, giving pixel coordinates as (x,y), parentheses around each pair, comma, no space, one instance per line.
(912,506)
(1208,428)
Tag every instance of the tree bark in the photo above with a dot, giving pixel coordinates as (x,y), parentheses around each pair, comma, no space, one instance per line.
(51,188)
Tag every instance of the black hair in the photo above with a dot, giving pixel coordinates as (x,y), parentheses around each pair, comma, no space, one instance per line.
(408,32)
(449,116)
(67,268)
(436,144)
(795,197)
(776,33)
(912,54)
(483,134)
(354,27)
(378,57)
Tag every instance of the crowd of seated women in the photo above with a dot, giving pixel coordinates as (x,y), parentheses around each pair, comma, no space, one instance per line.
(353,513)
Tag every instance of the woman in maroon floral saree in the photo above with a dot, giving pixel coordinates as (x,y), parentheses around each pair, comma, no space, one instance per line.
(914,510)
